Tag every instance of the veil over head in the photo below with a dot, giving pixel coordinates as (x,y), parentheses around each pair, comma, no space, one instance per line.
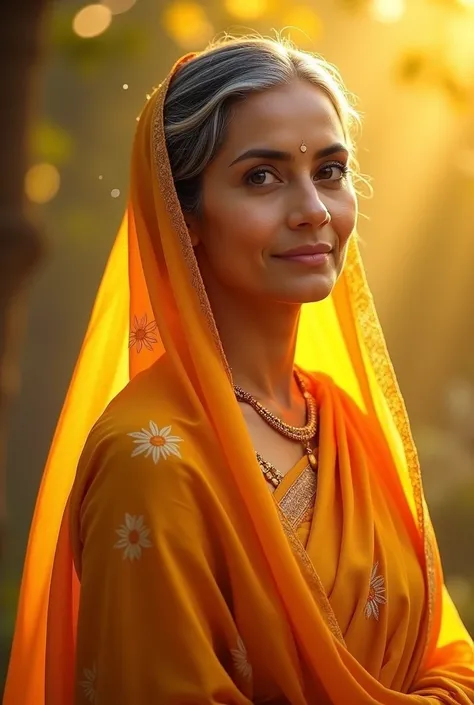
(151,302)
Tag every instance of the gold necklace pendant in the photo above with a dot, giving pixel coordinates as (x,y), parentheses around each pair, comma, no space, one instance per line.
(312,458)
(303,435)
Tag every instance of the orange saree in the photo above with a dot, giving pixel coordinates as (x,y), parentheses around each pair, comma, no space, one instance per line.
(164,571)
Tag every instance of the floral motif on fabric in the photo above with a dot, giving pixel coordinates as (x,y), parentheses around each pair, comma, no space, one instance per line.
(88,684)
(141,334)
(159,443)
(376,596)
(133,537)
(240,660)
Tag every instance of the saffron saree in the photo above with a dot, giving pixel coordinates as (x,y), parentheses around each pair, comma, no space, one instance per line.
(160,569)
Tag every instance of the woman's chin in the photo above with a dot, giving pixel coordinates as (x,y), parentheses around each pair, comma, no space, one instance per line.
(310,291)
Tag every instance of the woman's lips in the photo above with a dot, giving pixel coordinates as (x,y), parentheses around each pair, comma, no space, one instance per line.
(315,259)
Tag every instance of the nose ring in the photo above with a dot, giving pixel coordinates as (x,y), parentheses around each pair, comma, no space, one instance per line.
(327,219)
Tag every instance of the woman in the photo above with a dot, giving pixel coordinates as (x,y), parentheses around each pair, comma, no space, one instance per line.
(246,524)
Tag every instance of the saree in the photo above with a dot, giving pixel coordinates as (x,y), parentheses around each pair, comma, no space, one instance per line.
(160,569)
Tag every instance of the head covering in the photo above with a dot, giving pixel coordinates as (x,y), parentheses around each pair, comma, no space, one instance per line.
(152,300)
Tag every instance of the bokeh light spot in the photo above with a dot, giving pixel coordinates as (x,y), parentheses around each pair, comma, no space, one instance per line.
(116,7)
(115,193)
(186,22)
(42,183)
(92,20)
(246,9)
(388,10)
(125,86)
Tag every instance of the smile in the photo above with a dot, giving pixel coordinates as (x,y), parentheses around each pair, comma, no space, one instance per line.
(316,259)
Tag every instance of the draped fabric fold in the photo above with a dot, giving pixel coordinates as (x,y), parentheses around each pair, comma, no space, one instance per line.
(152,305)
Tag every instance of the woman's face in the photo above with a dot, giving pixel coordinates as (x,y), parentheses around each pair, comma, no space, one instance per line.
(263,197)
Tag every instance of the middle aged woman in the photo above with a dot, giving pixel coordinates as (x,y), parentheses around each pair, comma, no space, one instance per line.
(247,522)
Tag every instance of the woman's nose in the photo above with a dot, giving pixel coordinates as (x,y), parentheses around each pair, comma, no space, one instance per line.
(308,210)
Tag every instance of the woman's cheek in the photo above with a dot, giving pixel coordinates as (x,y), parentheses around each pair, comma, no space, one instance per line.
(252,230)
(344,218)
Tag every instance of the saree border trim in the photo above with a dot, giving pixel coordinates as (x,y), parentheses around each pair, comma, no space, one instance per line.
(170,197)
(299,498)
(312,578)
(371,334)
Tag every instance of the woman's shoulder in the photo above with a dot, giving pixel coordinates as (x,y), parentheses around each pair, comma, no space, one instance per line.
(154,400)
(155,388)
(141,463)
(144,442)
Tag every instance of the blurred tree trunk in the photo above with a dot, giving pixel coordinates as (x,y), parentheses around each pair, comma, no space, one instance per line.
(20,242)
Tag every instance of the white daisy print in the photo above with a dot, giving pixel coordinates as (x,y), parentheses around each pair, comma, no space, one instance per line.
(376,594)
(157,442)
(240,659)
(88,684)
(133,537)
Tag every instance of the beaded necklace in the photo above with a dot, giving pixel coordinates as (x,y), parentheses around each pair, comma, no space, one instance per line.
(302,434)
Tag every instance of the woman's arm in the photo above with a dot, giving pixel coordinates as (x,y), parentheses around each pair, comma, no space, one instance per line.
(154,626)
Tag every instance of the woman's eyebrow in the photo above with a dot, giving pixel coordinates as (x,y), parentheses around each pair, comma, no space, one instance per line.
(263,153)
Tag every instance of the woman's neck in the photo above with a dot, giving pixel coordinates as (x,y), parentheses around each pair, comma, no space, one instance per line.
(259,344)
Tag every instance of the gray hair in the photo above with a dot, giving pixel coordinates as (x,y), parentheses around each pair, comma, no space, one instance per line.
(201,95)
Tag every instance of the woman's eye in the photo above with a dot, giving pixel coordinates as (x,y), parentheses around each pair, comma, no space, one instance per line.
(332,172)
(261,177)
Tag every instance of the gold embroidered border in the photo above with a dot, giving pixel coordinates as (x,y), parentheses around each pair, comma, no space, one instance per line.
(299,499)
(312,578)
(372,336)
(175,214)
(431,576)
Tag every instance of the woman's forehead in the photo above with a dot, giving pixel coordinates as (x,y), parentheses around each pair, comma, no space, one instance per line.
(297,110)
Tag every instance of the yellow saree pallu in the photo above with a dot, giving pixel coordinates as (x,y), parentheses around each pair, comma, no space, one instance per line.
(164,571)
